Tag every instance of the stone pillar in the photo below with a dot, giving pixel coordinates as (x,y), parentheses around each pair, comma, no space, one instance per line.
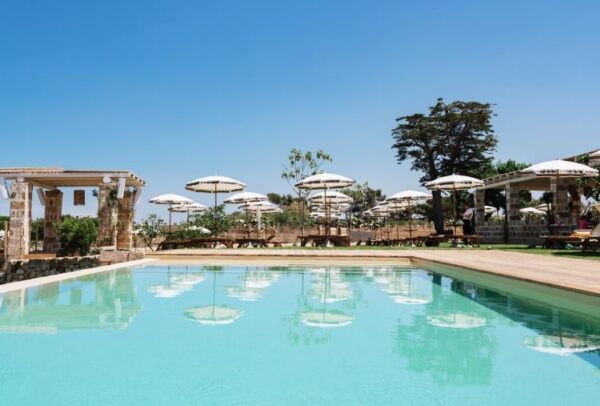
(52,217)
(560,200)
(125,222)
(107,215)
(512,203)
(479,207)
(513,216)
(20,218)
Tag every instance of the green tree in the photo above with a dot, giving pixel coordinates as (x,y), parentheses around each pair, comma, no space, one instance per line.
(77,234)
(281,200)
(363,197)
(3,220)
(150,228)
(590,186)
(497,197)
(455,137)
(216,220)
(300,165)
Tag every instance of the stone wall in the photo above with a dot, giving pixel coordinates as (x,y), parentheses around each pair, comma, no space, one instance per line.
(19,270)
(107,216)
(52,217)
(20,217)
(518,233)
(125,221)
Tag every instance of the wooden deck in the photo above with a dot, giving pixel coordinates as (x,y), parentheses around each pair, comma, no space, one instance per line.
(578,275)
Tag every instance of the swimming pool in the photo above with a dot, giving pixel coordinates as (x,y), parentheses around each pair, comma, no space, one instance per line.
(175,334)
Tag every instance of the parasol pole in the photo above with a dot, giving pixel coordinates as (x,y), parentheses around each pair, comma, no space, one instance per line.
(454,205)
(409,221)
(170,214)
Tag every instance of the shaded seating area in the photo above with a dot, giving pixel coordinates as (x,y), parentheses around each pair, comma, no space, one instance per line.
(117,192)
(587,240)
(322,235)
(560,179)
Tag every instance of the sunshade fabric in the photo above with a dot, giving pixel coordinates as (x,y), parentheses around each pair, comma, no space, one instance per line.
(325,181)
(215,184)
(560,168)
(454,182)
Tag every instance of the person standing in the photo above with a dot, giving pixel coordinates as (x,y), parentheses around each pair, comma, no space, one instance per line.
(467,220)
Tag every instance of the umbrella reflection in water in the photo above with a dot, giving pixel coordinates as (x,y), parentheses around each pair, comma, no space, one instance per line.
(178,283)
(213,314)
(327,289)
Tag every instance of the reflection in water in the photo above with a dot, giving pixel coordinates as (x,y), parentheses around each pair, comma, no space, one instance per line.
(325,304)
(100,301)
(213,314)
(253,283)
(456,320)
(456,355)
(401,286)
(443,327)
(326,319)
(327,287)
(177,283)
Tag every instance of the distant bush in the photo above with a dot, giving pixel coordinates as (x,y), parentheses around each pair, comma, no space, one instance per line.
(77,234)
(150,229)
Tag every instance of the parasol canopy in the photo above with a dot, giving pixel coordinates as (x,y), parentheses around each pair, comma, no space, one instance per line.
(170,199)
(188,208)
(246,198)
(263,207)
(454,182)
(531,210)
(560,168)
(331,197)
(325,181)
(409,196)
(215,184)
(490,210)
(594,158)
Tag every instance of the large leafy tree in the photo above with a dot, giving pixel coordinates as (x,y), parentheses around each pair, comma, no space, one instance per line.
(497,197)
(455,137)
(363,198)
(300,165)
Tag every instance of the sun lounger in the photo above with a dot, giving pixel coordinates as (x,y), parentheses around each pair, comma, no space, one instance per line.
(586,239)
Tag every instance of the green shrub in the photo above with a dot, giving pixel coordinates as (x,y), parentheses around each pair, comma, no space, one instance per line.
(77,234)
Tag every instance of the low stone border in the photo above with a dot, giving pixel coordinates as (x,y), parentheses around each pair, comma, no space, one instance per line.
(69,275)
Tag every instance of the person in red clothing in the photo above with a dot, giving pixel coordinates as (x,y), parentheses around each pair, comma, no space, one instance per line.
(583,223)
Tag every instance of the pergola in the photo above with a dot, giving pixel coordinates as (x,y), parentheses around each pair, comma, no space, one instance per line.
(514,229)
(118,191)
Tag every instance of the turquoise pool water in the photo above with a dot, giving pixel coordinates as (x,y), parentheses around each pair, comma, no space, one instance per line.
(309,335)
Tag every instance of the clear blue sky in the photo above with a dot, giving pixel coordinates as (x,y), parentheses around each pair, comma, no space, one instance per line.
(175,90)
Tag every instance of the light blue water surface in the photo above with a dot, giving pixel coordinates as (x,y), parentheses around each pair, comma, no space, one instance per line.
(309,335)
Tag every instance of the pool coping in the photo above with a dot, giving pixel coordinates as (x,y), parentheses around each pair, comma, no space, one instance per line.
(12,286)
(329,257)
(536,273)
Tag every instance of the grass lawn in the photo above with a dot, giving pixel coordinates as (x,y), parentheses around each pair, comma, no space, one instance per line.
(572,253)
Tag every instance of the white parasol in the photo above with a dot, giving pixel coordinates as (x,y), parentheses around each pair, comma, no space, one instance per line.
(215,185)
(170,199)
(409,197)
(454,183)
(325,181)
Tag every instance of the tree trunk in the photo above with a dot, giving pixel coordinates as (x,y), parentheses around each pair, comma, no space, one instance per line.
(438,213)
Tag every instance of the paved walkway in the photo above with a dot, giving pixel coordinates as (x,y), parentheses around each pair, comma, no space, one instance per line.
(567,273)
